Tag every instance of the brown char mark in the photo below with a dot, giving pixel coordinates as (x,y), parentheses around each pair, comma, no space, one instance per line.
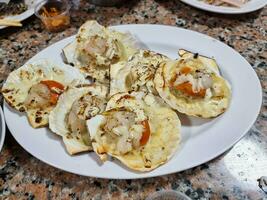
(125,97)
(38,120)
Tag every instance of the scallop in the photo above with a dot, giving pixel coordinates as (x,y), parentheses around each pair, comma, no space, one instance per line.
(138,129)
(193,85)
(68,118)
(24,89)
(137,73)
(97,47)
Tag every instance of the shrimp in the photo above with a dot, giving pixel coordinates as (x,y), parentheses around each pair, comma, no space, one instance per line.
(195,84)
(96,45)
(38,97)
(82,109)
(77,126)
(125,131)
(43,94)
(75,123)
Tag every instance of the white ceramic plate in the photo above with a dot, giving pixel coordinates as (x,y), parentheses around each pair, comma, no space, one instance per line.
(202,140)
(2,129)
(25,14)
(250,6)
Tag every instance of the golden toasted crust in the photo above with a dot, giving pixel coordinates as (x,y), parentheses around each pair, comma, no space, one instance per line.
(38,118)
(74,146)
(100,74)
(210,62)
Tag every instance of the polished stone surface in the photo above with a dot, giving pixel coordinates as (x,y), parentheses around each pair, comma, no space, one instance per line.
(232,175)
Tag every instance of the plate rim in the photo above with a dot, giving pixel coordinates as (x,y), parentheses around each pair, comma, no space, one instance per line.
(194,164)
(3,129)
(223,9)
(22,16)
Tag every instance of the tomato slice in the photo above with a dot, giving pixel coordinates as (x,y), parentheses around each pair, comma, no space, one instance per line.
(185,70)
(54,98)
(186,87)
(146,133)
(53,84)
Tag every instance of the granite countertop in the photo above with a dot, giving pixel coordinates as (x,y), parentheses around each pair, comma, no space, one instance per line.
(232,175)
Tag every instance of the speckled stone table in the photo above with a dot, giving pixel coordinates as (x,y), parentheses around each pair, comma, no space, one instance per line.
(233,175)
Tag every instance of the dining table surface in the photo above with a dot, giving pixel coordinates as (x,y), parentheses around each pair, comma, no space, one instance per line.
(233,175)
